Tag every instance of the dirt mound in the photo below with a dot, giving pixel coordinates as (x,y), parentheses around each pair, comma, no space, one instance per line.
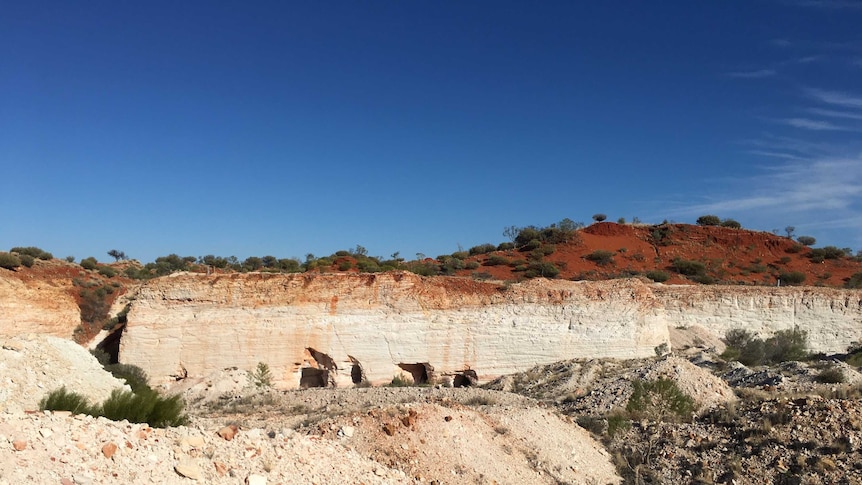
(32,366)
(597,387)
(457,444)
(59,448)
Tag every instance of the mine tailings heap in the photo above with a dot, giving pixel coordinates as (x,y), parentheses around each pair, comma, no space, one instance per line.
(345,329)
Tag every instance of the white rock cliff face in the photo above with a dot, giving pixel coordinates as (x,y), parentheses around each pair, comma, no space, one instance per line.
(364,326)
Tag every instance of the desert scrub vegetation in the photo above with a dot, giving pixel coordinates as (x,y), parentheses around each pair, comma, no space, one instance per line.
(33,252)
(784,346)
(9,261)
(792,278)
(135,407)
(708,220)
(600,257)
(658,275)
(818,255)
(659,400)
(261,376)
(854,281)
(688,268)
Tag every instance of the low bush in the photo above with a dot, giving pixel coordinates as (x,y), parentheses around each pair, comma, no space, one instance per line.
(659,400)
(658,276)
(496,260)
(35,252)
(688,268)
(472,265)
(63,400)
(854,281)
(9,261)
(708,220)
(792,278)
(89,263)
(482,249)
(107,271)
(506,246)
(832,375)
(818,255)
(543,269)
(783,346)
(27,260)
(730,223)
(600,257)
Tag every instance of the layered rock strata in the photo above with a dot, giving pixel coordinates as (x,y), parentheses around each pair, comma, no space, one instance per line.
(341,329)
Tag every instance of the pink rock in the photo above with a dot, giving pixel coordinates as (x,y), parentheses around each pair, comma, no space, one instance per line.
(19,445)
(228,432)
(109,449)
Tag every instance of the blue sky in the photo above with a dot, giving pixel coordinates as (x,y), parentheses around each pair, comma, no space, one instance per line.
(286,128)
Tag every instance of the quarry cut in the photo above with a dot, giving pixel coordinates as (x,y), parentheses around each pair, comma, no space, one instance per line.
(346,329)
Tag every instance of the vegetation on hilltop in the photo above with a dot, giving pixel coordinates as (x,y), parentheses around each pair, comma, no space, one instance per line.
(715,250)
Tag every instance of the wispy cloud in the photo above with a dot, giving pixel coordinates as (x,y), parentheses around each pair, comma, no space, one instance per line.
(836,98)
(809,124)
(835,114)
(753,74)
(782,155)
(834,184)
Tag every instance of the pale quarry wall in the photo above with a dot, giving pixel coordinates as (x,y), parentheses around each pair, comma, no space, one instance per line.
(36,306)
(195,324)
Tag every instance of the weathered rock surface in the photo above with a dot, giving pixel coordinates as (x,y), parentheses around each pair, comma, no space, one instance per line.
(341,328)
(365,325)
(32,366)
(36,305)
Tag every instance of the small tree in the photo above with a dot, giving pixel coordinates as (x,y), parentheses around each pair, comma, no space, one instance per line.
(806,240)
(708,220)
(789,230)
(117,255)
(599,217)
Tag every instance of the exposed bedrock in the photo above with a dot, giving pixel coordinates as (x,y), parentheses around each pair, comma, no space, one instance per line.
(342,329)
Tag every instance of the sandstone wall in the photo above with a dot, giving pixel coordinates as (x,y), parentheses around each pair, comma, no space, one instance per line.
(36,306)
(196,324)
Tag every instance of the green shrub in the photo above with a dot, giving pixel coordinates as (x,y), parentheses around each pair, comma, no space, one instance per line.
(704,279)
(345,265)
(708,220)
(689,268)
(730,223)
(9,261)
(27,260)
(261,376)
(506,246)
(792,278)
(854,281)
(145,407)
(471,265)
(783,346)
(107,271)
(832,375)
(400,381)
(94,304)
(600,257)
(496,260)
(89,263)
(828,252)
(599,217)
(660,400)
(63,400)
(796,248)
(134,376)
(531,245)
(482,249)
(658,276)
(618,423)
(461,254)
(806,240)
(543,269)
(35,252)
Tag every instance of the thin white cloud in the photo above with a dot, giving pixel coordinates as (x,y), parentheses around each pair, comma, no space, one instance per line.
(835,97)
(753,74)
(835,114)
(827,184)
(784,156)
(780,42)
(809,124)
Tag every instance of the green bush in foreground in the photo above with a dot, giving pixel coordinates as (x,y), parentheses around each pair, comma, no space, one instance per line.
(146,406)
(63,400)
(660,400)
(784,346)
(9,261)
